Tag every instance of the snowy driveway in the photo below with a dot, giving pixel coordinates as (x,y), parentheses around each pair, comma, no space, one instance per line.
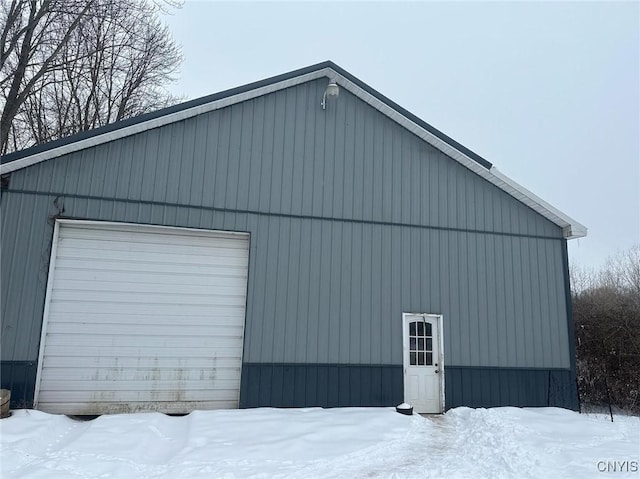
(320,443)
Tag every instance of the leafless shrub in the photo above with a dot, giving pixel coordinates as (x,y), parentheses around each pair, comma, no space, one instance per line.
(606,313)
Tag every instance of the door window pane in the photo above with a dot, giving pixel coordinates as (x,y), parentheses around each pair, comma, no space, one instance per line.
(420,343)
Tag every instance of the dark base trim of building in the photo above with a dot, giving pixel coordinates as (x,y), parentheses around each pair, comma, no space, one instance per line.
(342,385)
(20,378)
(521,387)
(320,385)
(349,385)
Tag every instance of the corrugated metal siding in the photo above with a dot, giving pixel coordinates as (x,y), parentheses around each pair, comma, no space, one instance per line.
(26,234)
(353,220)
(333,291)
(283,154)
(320,385)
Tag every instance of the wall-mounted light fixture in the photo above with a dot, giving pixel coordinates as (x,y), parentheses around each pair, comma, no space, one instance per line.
(332,90)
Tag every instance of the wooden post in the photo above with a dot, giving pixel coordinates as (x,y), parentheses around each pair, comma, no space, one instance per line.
(5,397)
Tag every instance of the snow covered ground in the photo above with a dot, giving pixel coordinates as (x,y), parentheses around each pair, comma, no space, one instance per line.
(321,443)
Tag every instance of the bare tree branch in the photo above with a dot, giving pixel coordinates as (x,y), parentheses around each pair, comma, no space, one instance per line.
(72,65)
(606,314)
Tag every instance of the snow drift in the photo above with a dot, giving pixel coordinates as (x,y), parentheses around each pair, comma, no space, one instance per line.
(322,443)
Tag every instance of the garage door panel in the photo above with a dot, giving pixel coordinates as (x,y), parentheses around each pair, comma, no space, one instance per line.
(137,352)
(144,344)
(178,329)
(154,258)
(139,386)
(111,297)
(170,376)
(117,407)
(140,395)
(143,318)
(125,362)
(169,278)
(148,267)
(79,286)
(168,309)
(146,244)
(152,235)
(224,317)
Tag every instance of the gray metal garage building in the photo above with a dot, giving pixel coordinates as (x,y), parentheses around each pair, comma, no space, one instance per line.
(277,245)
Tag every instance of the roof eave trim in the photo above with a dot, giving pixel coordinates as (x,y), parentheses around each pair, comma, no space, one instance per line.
(570,228)
(161,121)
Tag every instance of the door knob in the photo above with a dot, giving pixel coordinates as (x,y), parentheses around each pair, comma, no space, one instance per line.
(437,371)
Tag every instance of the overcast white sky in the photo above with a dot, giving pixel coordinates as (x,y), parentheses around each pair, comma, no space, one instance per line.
(547,92)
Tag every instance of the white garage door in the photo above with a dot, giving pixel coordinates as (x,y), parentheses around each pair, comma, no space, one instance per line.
(142,318)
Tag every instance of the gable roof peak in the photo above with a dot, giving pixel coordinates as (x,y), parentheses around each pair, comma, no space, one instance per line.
(30,156)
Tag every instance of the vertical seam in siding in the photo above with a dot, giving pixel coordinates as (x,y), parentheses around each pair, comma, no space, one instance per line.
(14,256)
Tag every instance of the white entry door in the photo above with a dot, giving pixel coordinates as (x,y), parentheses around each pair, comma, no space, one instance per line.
(423,367)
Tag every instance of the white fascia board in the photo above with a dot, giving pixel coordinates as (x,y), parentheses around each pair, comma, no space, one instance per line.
(570,227)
